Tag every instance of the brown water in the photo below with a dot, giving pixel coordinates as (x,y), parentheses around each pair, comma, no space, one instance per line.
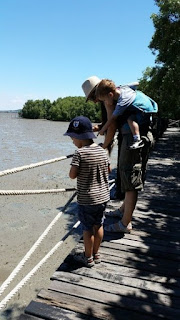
(24,218)
(25,141)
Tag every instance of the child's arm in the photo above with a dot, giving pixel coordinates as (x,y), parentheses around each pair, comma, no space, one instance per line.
(107,124)
(73,172)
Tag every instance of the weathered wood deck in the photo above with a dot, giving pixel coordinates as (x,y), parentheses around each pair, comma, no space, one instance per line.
(139,277)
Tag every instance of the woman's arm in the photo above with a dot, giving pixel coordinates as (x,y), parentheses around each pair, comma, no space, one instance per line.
(112,128)
(110,135)
(107,124)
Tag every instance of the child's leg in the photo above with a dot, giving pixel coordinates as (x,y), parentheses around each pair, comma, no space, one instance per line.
(98,236)
(137,142)
(88,237)
(134,128)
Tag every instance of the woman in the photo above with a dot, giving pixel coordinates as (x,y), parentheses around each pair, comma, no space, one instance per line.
(132,164)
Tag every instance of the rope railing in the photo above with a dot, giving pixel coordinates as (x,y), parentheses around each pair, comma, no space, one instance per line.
(33,165)
(41,163)
(25,192)
(31,251)
(37,243)
(34,247)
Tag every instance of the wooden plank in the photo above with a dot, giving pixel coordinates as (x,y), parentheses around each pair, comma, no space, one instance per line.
(123,280)
(145,246)
(168,267)
(149,233)
(145,204)
(144,207)
(143,251)
(153,217)
(155,227)
(91,308)
(155,214)
(46,311)
(153,240)
(28,317)
(110,270)
(141,245)
(154,230)
(146,237)
(90,296)
(155,265)
(167,206)
(151,296)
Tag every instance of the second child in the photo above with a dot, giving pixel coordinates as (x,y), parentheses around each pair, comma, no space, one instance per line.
(128,103)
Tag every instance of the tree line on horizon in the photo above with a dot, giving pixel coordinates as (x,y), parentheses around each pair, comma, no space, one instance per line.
(62,109)
(160,82)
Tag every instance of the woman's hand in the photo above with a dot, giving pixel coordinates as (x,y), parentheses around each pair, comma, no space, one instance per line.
(101,132)
(97,127)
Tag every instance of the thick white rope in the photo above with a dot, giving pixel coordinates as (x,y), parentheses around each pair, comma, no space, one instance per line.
(33,165)
(33,248)
(31,273)
(27,256)
(41,163)
(24,192)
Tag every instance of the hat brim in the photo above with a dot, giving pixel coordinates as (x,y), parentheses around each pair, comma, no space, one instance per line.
(81,136)
(89,95)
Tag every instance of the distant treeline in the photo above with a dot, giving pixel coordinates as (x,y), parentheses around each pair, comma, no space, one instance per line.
(63,109)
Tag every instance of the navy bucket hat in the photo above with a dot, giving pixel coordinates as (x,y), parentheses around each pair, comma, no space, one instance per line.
(80,128)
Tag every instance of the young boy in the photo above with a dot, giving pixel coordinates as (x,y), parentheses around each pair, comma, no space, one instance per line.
(128,103)
(90,166)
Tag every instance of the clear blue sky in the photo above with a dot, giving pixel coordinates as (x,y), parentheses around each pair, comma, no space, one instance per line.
(49,47)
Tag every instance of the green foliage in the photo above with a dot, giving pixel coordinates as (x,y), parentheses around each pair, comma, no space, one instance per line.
(162,81)
(63,109)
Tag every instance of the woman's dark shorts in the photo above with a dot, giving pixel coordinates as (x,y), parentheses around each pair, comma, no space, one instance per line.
(91,215)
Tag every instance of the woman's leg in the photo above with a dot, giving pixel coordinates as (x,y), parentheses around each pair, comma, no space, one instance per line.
(129,206)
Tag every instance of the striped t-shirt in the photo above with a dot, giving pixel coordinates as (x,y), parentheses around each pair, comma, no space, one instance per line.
(92,179)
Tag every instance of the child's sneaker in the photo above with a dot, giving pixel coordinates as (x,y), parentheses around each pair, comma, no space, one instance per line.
(136,145)
(87,261)
(97,258)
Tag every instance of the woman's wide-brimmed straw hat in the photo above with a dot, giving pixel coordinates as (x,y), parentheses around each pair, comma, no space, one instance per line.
(89,86)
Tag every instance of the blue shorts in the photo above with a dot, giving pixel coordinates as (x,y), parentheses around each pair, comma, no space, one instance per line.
(91,215)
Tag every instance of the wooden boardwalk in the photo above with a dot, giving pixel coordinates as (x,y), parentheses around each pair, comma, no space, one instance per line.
(139,277)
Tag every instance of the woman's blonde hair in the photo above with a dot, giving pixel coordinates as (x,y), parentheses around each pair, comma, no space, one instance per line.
(104,87)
